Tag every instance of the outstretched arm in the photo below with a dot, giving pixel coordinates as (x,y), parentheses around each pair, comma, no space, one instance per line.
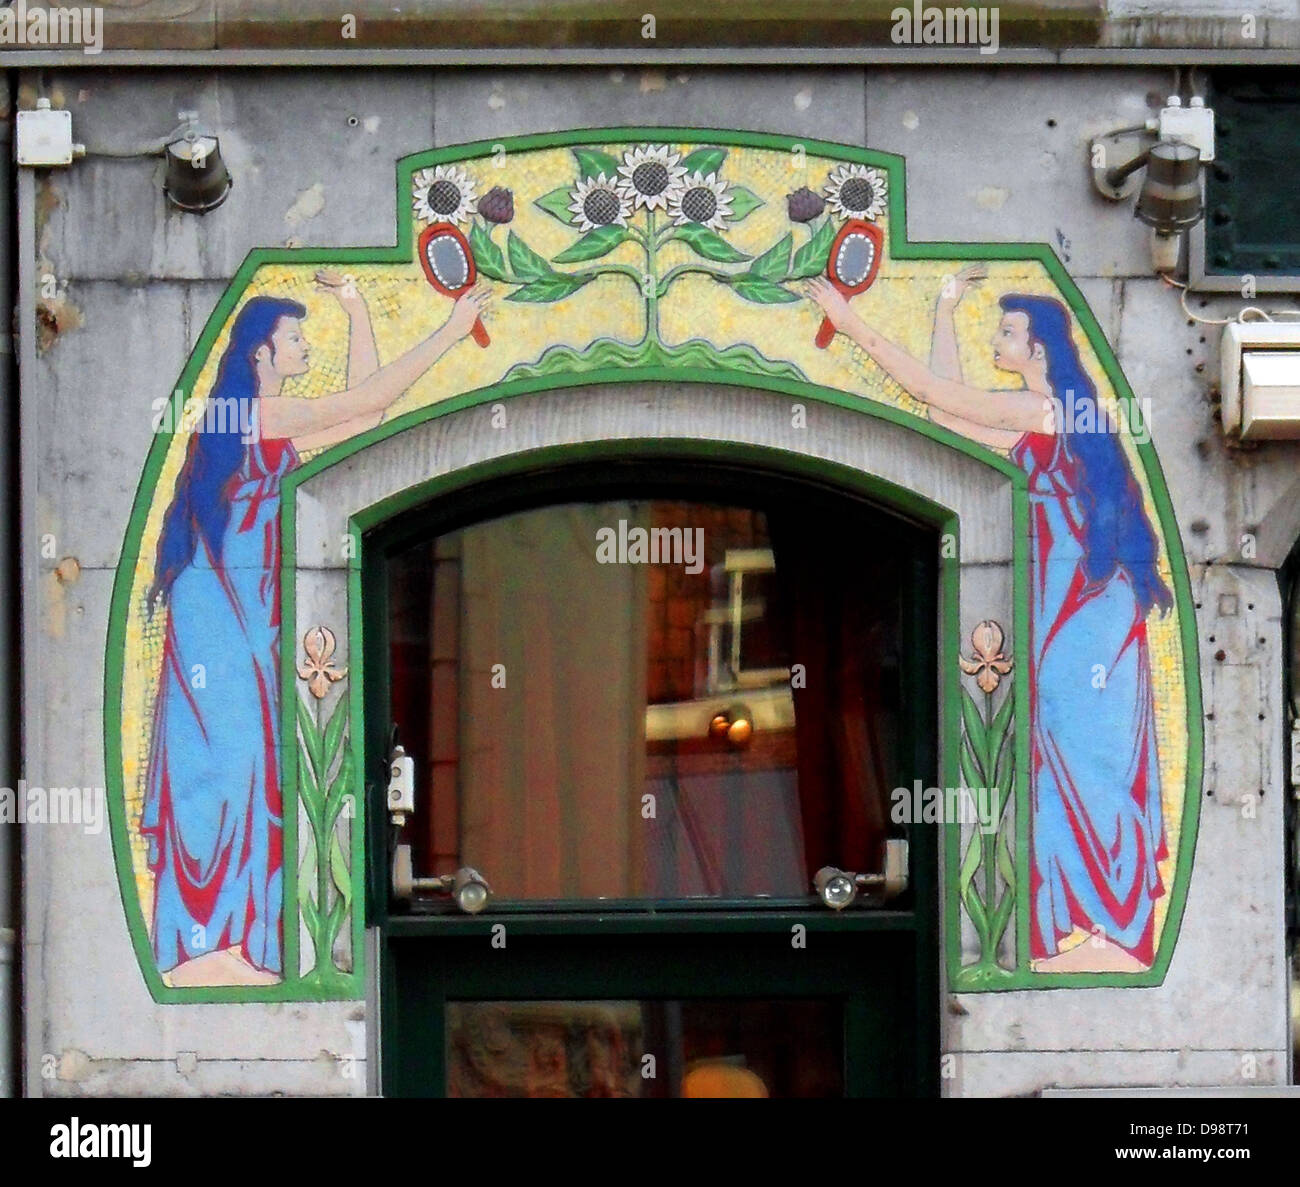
(1021,411)
(301,418)
(945,360)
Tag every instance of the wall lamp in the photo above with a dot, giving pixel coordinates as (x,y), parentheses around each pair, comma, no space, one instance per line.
(839,888)
(1171,148)
(197,179)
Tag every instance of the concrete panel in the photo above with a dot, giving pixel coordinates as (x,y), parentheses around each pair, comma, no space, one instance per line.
(1221,494)
(480,104)
(124,349)
(295,150)
(1002,154)
(1027,1073)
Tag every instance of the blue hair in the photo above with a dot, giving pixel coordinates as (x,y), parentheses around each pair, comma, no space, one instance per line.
(1116,531)
(200,506)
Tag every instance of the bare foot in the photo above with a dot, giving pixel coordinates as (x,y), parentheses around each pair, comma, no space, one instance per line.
(1092,956)
(227,967)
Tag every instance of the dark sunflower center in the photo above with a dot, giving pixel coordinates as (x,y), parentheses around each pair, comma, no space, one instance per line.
(699,204)
(857,193)
(600,207)
(444,196)
(650,178)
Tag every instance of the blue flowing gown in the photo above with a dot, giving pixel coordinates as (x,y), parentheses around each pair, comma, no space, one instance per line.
(212,813)
(1096,828)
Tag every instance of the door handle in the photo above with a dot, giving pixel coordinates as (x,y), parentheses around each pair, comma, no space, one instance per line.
(838,888)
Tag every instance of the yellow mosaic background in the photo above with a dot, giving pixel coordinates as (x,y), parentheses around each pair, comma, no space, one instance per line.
(404,309)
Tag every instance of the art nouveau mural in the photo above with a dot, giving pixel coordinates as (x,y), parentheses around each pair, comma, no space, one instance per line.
(650,254)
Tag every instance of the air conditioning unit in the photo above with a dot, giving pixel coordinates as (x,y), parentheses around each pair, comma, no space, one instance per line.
(1260,382)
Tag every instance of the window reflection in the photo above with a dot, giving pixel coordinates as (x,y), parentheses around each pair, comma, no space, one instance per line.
(649,698)
(705,1048)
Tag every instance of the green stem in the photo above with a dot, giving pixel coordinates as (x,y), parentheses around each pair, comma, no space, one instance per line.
(673,273)
(322,856)
(652,288)
(988,841)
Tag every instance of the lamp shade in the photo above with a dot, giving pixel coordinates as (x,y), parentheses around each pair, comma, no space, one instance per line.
(197,179)
(1170,200)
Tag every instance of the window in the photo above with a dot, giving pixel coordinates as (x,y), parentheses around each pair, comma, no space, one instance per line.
(1252,223)
(647,704)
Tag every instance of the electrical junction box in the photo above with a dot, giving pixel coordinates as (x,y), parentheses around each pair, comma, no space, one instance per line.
(1260,380)
(43,137)
(1192,125)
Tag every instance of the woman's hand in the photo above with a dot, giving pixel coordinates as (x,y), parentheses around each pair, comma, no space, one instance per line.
(342,288)
(469,307)
(832,301)
(957,286)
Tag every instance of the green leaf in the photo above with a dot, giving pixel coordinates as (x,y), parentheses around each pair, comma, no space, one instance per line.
(709,244)
(743,202)
(311,739)
(307,868)
(591,161)
(527,264)
(1006,862)
(334,733)
(976,732)
(753,288)
(998,726)
(969,894)
(487,255)
(338,791)
(971,775)
(309,793)
(332,923)
(556,204)
(311,917)
(774,263)
(811,258)
(552,287)
(593,245)
(339,873)
(704,160)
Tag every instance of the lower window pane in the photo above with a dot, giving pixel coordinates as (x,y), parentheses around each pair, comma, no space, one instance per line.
(692,1048)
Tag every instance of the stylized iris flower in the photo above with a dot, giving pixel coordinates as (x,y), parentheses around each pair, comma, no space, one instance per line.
(703,200)
(988,665)
(856,191)
(443,194)
(598,202)
(319,671)
(651,176)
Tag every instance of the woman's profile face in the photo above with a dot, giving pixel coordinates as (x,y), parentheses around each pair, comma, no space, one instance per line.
(1011,347)
(289,353)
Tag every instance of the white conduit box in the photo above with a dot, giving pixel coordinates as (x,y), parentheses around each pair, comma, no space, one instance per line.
(1260,380)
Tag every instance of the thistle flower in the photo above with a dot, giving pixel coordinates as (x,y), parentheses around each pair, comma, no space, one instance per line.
(497,205)
(803,205)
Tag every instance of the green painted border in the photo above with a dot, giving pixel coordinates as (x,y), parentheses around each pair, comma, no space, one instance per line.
(901,248)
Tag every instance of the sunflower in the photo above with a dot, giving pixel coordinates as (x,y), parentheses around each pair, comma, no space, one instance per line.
(703,200)
(598,202)
(443,194)
(856,191)
(651,176)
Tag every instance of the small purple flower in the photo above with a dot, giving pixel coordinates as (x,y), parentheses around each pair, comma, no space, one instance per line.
(804,206)
(497,205)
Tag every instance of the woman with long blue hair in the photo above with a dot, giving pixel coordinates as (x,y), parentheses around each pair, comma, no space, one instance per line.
(1096,827)
(212,815)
